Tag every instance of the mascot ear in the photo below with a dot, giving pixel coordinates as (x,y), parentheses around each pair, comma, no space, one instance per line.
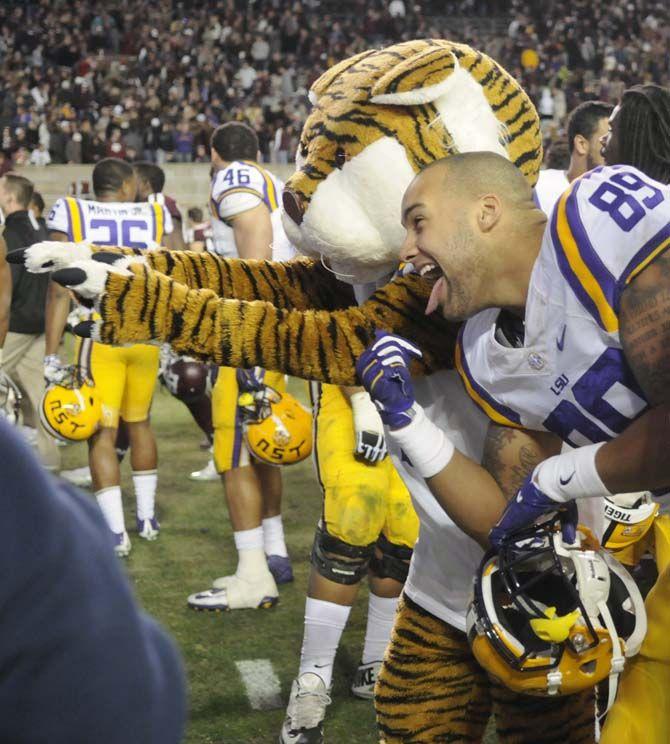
(321,84)
(421,78)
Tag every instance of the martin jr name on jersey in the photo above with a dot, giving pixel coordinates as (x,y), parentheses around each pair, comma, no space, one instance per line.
(570,375)
(130,224)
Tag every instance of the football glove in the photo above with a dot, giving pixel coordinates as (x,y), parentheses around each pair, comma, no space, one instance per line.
(54,369)
(529,505)
(250,380)
(383,370)
(368,428)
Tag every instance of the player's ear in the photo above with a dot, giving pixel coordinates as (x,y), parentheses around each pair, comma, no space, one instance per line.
(580,144)
(489,210)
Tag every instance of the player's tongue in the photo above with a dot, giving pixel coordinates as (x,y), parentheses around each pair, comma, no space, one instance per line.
(434,299)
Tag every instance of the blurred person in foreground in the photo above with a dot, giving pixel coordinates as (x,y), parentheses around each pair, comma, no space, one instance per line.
(81,662)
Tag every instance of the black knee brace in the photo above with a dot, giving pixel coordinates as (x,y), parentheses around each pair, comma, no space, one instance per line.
(338,561)
(394,562)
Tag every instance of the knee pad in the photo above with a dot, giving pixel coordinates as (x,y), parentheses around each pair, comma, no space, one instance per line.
(394,561)
(338,561)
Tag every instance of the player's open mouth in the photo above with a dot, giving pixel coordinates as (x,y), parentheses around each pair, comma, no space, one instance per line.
(430,271)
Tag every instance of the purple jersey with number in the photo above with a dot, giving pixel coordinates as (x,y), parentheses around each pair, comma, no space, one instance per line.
(570,376)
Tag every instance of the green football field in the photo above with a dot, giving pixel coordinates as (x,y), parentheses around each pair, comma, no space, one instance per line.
(196,546)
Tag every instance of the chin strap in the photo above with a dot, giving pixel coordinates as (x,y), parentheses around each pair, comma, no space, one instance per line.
(618,659)
(332,271)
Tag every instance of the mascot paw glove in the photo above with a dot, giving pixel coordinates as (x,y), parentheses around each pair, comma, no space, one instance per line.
(383,370)
(50,255)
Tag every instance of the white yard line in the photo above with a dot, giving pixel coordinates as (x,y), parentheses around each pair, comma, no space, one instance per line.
(261,683)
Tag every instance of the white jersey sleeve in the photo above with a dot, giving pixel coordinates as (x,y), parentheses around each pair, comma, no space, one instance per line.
(605,229)
(58,219)
(551,183)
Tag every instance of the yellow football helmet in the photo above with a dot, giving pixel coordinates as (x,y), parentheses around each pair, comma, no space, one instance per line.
(71,409)
(277,429)
(552,618)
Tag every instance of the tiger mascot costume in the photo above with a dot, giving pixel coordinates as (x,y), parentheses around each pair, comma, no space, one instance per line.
(377,119)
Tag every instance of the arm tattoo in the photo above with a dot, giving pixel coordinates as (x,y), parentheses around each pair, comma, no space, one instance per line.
(645,329)
(511,454)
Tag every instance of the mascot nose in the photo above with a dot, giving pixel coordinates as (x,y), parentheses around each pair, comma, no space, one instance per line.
(293,206)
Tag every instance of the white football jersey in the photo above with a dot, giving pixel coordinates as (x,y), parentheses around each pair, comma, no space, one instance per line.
(570,376)
(239,187)
(130,224)
(551,183)
(445,558)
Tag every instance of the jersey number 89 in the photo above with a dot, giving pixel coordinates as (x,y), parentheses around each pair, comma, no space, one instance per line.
(614,198)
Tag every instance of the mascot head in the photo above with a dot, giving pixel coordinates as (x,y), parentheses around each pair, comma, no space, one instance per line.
(378,118)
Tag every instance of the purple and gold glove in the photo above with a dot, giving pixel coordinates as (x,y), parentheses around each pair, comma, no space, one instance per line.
(529,505)
(383,370)
(250,380)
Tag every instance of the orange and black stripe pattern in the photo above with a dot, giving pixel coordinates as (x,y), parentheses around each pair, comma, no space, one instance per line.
(431,689)
(344,117)
(291,317)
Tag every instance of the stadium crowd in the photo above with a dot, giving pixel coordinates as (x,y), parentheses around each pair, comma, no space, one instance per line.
(152,80)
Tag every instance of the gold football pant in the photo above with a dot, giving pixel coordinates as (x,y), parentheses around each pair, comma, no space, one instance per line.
(230,451)
(125,378)
(361,501)
(641,711)
(431,689)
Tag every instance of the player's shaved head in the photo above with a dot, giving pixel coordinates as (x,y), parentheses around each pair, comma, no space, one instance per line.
(476,173)
(464,216)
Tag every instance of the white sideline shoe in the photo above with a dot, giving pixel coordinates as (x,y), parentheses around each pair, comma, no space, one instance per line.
(208,473)
(363,685)
(305,711)
(122,544)
(238,594)
(149,529)
(78,476)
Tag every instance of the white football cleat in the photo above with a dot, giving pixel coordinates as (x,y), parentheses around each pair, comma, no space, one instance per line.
(208,473)
(78,476)
(305,711)
(122,544)
(238,594)
(363,685)
(148,529)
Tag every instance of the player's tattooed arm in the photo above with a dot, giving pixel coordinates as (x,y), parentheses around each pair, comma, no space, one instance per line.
(645,329)
(511,454)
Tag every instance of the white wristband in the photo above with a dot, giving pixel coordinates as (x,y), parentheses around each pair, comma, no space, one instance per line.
(425,445)
(571,475)
(0,357)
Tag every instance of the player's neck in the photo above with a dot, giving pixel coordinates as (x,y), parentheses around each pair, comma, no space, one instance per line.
(513,275)
(108,196)
(576,169)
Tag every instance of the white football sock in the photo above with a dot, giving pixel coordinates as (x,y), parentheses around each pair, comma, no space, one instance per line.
(381,616)
(324,623)
(110,502)
(144,483)
(273,536)
(251,561)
